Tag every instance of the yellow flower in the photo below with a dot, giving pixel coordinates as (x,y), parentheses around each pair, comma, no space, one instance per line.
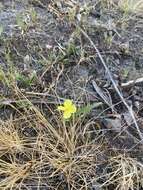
(68,109)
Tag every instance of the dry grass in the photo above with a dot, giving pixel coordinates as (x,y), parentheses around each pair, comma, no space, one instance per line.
(126,173)
(9,138)
(67,147)
(131,6)
(71,150)
(13,174)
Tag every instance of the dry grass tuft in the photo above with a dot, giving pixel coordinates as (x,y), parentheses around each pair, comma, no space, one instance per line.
(10,141)
(126,173)
(61,154)
(68,148)
(13,174)
(131,6)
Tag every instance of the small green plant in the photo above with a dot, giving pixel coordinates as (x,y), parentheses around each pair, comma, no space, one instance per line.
(22,24)
(25,80)
(33,15)
(85,110)
(2,76)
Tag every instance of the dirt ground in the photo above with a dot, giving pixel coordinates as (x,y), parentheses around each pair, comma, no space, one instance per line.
(89,51)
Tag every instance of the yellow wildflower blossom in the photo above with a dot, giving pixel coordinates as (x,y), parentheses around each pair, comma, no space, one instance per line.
(68,109)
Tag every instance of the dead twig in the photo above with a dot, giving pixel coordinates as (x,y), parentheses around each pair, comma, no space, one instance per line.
(132,82)
(104,97)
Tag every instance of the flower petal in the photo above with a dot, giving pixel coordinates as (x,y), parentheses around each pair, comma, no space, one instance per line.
(67,103)
(66,115)
(73,109)
(61,108)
